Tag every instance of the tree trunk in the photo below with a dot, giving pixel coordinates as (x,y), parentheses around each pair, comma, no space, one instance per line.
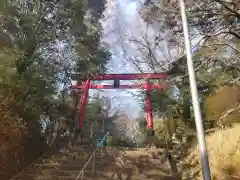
(91,130)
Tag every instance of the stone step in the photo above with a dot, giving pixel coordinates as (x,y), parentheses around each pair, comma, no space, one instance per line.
(66,163)
(71,166)
(80,149)
(58,166)
(64,154)
(37,177)
(75,155)
(61,174)
(62,158)
(69,155)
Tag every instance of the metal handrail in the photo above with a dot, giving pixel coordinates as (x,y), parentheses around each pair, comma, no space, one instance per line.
(81,173)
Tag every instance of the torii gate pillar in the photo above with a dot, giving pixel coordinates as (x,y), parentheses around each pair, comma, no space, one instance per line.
(83,102)
(148,107)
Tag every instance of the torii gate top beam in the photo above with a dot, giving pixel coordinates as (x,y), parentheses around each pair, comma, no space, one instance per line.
(127,86)
(131,76)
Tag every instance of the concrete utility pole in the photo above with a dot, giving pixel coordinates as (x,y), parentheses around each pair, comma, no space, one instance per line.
(195,98)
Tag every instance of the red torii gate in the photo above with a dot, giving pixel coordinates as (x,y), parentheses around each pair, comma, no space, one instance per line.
(88,84)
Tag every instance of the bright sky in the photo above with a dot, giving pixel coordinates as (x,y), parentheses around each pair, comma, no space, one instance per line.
(121,18)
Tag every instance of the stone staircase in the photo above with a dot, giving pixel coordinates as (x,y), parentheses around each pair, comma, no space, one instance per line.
(110,164)
(67,165)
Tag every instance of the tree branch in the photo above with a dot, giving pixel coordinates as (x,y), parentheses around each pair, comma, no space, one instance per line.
(228,8)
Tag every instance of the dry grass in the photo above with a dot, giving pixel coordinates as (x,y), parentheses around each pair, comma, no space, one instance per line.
(138,152)
(224,155)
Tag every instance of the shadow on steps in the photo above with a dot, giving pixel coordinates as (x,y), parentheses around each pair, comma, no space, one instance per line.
(138,164)
(110,164)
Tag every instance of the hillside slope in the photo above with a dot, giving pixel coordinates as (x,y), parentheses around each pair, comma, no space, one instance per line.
(224,156)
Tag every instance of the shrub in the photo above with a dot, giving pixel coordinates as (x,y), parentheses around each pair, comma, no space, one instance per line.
(12,135)
(111,141)
(20,143)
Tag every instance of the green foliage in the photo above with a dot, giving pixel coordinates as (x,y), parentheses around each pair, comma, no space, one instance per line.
(31,66)
(141,131)
(111,141)
(39,56)
(3,6)
(92,112)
